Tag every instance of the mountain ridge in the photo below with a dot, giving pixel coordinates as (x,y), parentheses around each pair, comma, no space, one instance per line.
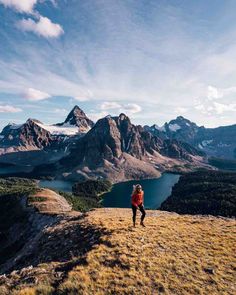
(113,148)
(219,141)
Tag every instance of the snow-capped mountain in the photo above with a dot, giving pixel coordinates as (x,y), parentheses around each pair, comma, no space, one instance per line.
(34,135)
(119,150)
(220,141)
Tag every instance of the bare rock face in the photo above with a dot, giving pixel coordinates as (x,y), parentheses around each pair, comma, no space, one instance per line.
(29,134)
(116,147)
(78,118)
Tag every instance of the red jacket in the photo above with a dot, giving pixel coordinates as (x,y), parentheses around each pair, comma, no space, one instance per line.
(137,199)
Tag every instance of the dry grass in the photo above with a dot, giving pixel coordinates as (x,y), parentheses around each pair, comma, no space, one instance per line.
(173,255)
(48,201)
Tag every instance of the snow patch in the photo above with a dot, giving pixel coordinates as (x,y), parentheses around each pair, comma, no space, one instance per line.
(162,128)
(60,130)
(174,127)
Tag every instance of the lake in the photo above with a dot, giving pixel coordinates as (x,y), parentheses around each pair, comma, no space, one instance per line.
(60,185)
(155,192)
(12,169)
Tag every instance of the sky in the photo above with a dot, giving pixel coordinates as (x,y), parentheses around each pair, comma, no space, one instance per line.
(154,60)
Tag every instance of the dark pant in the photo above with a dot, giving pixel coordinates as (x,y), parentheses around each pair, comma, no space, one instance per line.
(141,208)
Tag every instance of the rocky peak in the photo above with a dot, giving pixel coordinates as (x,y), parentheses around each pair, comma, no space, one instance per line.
(182,123)
(28,135)
(78,118)
(33,121)
(76,112)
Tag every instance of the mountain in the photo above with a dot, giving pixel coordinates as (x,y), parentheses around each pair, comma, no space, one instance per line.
(118,150)
(113,148)
(77,118)
(33,134)
(29,135)
(218,142)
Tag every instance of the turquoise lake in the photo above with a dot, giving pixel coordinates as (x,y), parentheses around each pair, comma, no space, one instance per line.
(155,192)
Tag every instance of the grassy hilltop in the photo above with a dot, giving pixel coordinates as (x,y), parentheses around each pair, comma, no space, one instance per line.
(100,253)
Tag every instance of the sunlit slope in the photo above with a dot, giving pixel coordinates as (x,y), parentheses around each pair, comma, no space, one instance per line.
(101,253)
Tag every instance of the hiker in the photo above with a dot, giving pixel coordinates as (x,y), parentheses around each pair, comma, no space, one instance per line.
(137,203)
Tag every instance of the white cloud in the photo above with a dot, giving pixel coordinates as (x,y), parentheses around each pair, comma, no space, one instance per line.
(115,107)
(20,5)
(43,27)
(216,93)
(221,108)
(110,105)
(213,93)
(35,95)
(132,108)
(9,109)
(215,108)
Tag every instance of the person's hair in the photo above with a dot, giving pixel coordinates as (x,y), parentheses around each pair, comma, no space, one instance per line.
(136,189)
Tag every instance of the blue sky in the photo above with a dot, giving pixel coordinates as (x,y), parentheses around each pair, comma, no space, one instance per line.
(153,60)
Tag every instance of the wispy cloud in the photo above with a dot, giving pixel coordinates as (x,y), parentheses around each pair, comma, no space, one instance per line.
(9,109)
(172,59)
(35,95)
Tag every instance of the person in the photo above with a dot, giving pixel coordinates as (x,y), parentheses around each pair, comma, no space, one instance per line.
(137,203)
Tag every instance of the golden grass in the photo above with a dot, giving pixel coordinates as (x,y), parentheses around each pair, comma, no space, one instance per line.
(174,254)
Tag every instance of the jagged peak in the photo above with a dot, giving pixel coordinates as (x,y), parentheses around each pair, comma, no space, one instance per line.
(123,116)
(76,111)
(31,120)
(77,117)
